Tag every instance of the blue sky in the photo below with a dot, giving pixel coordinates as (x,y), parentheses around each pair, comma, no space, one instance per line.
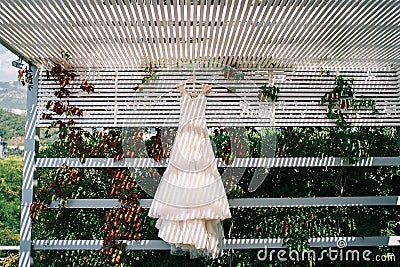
(7,72)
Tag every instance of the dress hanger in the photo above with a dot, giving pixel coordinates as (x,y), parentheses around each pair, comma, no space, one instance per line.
(182,87)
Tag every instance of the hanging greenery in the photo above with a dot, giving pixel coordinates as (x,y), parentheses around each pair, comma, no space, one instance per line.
(66,182)
(232,72)
(339,100)
(25,76)
(342,98)
(268,93)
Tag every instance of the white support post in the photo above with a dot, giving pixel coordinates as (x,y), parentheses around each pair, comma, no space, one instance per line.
(25,258)
(398,103)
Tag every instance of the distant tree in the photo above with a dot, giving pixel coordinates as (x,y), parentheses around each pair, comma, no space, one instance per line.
(11,125)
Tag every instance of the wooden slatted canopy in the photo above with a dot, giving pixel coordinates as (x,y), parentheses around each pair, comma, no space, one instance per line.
(256,33)
(111,40)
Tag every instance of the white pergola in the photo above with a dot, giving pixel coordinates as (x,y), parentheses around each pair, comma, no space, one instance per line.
(255,33)
(111,41)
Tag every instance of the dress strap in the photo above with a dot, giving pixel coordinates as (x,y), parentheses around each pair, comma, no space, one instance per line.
(206,89)
(181,88)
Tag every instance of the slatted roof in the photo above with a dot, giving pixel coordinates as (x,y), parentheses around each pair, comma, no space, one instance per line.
(256,33)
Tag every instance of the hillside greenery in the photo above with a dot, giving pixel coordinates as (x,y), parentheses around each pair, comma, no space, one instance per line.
(12,95)
(12,127)
(10,199)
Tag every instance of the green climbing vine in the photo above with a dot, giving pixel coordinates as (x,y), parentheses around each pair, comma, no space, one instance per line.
(64,183)
(268,92)
(338,101)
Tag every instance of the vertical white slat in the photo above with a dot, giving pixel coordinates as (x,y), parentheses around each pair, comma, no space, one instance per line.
(24,43)
(243,19)
(217,39)
(196,36)
(233,30)
(229,28)
(258,45)
(205,17)
(116,8)
(121,52)
(169,10)
(319,32)
(159,32)
(166,18)
(81,33)
(175,26)
(181,15)
(143,47)
(211,17)
(299,20)
(224,32)
(98,34)
(200,31)
(188,18)
(255,30)
(147,29)
(30,147)
(276,20)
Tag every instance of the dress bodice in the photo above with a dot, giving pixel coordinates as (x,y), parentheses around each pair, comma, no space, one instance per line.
(192,148)
(192,108)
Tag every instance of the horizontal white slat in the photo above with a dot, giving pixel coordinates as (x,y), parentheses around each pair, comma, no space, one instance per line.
(9,248)
(254,202)
(115,103)
(367,241)
(237,162)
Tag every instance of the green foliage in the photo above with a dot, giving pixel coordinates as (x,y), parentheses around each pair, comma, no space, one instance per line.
(11,125)
(150,73)
(232,72)
(12,95)
(341,98)
(10,261)
(338,101)
(268,92)
(294,225)
(10,199)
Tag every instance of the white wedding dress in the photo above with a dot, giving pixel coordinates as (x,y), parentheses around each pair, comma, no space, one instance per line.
(190,200)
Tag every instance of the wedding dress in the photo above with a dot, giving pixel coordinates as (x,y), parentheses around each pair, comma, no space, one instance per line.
(190,200)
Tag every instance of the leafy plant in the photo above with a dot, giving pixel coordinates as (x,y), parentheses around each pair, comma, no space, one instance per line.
(151,74)
(232,72)
(268,92)
(25,76)
(341,98)
(66,55)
